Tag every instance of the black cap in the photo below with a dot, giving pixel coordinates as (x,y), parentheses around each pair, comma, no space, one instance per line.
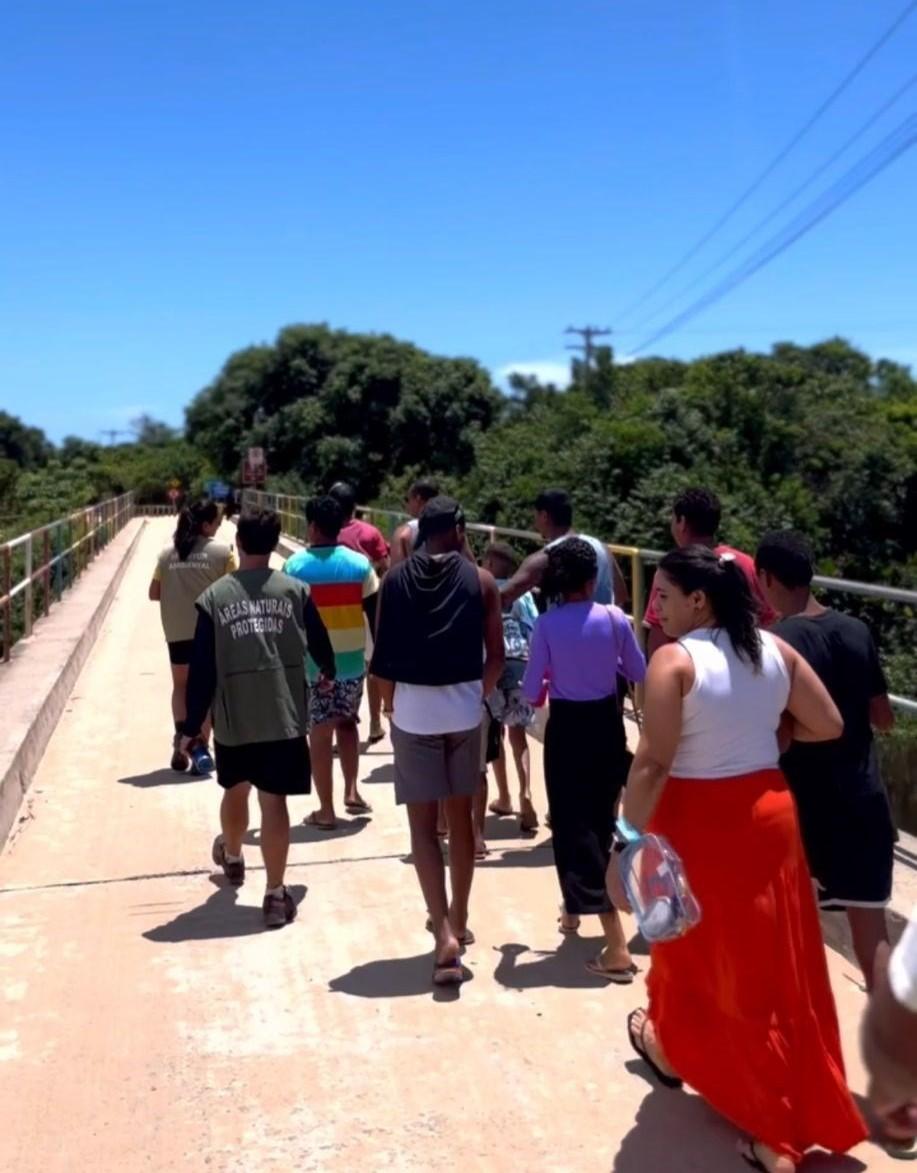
(439,516)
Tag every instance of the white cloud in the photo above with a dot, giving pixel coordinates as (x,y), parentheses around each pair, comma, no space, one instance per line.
(545,370)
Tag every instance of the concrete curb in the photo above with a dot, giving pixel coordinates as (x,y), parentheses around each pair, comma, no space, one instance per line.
(33,691)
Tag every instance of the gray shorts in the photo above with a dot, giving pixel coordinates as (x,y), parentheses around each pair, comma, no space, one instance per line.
(433,766)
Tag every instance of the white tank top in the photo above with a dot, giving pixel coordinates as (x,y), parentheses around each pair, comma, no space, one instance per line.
(730,716)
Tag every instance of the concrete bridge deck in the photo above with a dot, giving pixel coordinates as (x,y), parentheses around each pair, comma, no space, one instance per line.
(149,1024)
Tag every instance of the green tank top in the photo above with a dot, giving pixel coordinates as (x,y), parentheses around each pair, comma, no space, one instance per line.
(260,655)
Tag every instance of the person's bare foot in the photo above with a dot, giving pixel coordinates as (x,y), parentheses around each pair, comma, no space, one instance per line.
(528,816)
(501,807)
(646,1032)
(760,1156)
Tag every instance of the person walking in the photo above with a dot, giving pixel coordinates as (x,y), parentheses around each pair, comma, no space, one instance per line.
(253,630)
(579,647)
(740,1008)
(344,587)
(554,522)
(192,561)
(404,539)
(439,650)
(364,538)
(844,813)
(696,515)
(506,705)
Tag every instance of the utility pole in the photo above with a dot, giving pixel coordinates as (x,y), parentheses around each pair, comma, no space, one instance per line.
(112,433)
(587,333)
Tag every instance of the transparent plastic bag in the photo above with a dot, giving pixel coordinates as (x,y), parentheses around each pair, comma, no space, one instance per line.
(658,889)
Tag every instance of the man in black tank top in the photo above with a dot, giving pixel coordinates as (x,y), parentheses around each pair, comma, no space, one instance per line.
(844,812)
(439,651)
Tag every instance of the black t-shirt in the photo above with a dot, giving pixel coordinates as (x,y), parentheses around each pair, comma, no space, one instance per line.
(844,656)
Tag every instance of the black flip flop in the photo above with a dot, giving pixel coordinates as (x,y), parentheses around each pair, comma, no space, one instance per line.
(749,1155)
(636,1042)
(448,973)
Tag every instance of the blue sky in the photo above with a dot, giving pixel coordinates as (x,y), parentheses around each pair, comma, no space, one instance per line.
(180,180)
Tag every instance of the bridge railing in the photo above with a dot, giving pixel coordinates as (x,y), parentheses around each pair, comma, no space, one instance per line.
(634,560)
(37,567)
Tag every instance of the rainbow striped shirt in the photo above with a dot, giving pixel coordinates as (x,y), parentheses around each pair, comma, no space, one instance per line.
(339,580)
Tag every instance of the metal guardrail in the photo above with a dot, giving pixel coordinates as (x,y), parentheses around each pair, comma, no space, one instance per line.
(37,567)
(291,511)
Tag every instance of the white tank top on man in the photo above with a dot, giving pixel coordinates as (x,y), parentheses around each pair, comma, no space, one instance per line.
(731,714)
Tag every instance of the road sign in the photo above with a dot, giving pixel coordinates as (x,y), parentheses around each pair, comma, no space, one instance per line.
(217,490)
(254,467)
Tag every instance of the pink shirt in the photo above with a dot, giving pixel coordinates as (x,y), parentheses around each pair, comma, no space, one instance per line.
(766,614)
(365,539)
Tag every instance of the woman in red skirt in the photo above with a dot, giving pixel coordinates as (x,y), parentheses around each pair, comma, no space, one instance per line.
(741,1007)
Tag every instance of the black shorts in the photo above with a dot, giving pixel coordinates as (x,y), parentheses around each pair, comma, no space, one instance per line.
(850,845)
(180,651)
(276,767)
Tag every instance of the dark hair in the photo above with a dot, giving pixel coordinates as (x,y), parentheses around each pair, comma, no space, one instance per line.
(571,565)
(701,509)
(787,555)
(504,553)
(440,515)
(191,521)
(425,490)
(326,514)
(258,532)
(557,505)
(346,497)
(697,568)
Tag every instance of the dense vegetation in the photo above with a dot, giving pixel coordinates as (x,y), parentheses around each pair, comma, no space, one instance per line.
(821,437)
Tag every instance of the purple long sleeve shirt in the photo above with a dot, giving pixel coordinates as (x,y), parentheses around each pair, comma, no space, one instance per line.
(579,648)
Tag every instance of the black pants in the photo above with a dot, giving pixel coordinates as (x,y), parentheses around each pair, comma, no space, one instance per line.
(585,765)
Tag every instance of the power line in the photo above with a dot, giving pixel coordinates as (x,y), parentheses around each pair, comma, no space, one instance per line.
(587,333)
(777,160)
(775,212)
(857,176)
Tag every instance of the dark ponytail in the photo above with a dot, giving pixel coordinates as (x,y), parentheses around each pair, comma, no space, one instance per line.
(191,521)
(697,568)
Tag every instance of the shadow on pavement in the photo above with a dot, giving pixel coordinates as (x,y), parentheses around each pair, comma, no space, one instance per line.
(219,916)
(564,969)
(678,1132)
(539,855)
(383,774)
(163,777)
(300,833)
(395,977)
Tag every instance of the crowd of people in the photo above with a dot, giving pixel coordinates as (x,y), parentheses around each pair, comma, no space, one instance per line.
(755,760)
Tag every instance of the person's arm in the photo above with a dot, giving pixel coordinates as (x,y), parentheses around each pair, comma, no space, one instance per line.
(232,563)
(386,686)
(402,545)
(815,715)
(370,607)
(202,676)
(155,591)
(881,713)
(889,1035)
(619,585)
(378,552)
(494,654)
(632,660)
(528,576)
(538,666)
(317,639)
(667,680)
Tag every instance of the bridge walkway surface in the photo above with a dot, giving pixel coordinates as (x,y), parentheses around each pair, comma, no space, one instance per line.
(149,1023)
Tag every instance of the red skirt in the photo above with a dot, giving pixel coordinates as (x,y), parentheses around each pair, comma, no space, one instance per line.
(742,1004)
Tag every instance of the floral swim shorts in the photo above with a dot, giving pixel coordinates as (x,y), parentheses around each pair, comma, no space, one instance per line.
(340,703)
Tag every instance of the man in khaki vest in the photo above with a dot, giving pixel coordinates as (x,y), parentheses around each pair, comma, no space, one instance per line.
(248,666)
